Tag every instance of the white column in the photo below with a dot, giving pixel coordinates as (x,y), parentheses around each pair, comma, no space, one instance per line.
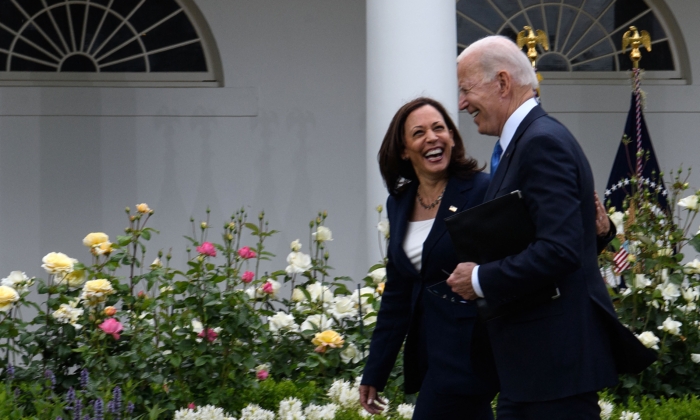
(411,52)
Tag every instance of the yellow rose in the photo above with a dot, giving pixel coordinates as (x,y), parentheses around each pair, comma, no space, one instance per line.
(380,288)
(105,248)
(96,291)
(143,208)
(8,297)
(328,338)
(95,238)
(58,262)
(73,279)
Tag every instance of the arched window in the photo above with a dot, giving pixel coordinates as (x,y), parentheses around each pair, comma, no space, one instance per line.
(106,42)
(585,36)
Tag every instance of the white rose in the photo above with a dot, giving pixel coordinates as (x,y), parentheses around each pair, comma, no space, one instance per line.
(282,321)
(344,307)
(670,292)
(364,294)
(18,281)
(317,292)
(298,263)
(378,275)
(618,219)
(671,326)
(322,234)
(298,295)
(317,322)
(690,202)
(66,314)
(296,245)
(383,228)
(649,340)
(197,326)
(351,354)
(691,294)
(695,357)
(641,281)
(692,267)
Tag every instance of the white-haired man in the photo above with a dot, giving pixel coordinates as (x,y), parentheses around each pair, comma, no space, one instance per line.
(552,358)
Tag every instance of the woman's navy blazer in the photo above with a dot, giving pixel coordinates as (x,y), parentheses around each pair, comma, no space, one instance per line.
(437,331)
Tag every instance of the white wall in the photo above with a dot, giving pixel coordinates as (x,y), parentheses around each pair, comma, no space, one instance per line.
(62,177)
(300,68)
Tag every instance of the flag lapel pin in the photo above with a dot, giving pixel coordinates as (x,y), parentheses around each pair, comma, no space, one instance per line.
(453,208)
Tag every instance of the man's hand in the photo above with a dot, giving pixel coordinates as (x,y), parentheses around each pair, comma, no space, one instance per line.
(370,400)
(602,223)
(461,280)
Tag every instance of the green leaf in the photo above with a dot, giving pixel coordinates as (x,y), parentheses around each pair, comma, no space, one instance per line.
(145,234)
(695,242)
(123,240)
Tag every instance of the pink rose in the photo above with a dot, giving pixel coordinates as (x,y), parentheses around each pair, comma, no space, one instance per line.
(207,248)
(111,327)
(246,253)
(262,374)
(191,406)
(247,277)
(268,288)
(209,333)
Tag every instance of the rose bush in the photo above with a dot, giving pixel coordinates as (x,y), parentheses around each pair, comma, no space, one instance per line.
(206,334)
(656,296)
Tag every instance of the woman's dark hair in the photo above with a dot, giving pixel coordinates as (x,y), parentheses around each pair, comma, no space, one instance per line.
(396,171)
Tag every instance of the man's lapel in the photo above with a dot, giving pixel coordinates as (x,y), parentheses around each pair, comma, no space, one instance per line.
(507,157)
(454,200)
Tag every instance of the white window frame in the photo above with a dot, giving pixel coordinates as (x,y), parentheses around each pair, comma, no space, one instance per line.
(680,76)
(213,77)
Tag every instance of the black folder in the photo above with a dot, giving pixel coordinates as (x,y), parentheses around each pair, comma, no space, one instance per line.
(490,232)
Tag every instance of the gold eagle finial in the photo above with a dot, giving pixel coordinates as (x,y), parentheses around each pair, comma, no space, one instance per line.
(636,39)
(531,38)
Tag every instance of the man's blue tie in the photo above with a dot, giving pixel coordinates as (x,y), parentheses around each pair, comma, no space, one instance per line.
(496,157)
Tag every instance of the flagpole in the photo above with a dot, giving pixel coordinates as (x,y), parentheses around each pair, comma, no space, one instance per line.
(636,39)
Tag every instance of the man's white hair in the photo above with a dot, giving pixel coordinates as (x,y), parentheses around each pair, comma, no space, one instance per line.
(496,53)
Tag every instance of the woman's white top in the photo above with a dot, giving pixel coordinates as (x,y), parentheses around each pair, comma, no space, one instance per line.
(416,234)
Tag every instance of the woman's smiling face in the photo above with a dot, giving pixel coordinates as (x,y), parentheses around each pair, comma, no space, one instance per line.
(428,142)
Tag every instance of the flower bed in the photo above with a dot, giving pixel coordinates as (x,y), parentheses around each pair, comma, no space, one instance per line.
(120,338)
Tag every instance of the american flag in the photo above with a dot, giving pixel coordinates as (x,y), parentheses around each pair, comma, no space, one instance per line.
(620,259)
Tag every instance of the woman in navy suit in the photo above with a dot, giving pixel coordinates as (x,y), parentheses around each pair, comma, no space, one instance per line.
(429,177)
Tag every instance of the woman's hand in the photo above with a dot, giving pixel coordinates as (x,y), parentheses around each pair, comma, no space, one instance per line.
(370,400)
(602,223)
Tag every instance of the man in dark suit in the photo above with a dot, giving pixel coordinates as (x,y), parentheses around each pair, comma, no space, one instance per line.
(552,358)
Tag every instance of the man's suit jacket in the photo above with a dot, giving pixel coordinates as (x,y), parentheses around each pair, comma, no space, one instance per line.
(574,344)
(437,331)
